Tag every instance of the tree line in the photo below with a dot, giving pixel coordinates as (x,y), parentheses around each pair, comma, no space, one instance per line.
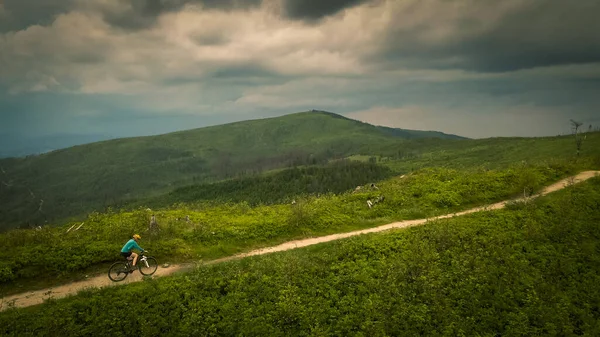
(282,186)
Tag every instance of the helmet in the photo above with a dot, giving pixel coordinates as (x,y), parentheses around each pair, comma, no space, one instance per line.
(136,236)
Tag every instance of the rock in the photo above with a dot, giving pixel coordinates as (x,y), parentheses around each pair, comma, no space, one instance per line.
(166,265)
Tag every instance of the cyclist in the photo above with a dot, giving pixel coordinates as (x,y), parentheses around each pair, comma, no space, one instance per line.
(126,250)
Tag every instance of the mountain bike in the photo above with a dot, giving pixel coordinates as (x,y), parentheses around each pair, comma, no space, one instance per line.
(118,271)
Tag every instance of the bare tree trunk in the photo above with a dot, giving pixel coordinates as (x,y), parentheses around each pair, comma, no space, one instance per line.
(578,139)
(153,224)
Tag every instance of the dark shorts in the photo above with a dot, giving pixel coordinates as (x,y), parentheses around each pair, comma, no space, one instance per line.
(125,255)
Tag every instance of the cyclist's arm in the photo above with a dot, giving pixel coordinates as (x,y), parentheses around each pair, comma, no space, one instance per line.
(135,245)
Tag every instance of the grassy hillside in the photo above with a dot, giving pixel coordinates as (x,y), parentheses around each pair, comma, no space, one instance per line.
(530,270)
(416,134)
(68,184)
(278,187)
(217,230)
(74,181)
(489,152)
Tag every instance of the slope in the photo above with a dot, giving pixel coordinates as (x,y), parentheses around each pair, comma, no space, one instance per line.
(416,134)
(38,296)
(527,277)
(52,187)
(36,258)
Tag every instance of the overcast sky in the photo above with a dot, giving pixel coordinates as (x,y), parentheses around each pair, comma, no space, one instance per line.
(133,67)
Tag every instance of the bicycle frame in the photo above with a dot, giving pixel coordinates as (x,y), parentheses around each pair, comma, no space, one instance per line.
(141,258)
(145,260)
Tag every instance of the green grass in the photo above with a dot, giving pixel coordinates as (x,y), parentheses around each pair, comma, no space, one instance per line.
(75,181)
(225,229)
(526,271)
(363,158)
(282,186)
(491,153)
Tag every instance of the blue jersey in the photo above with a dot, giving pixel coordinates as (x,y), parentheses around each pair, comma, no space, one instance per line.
(130,245)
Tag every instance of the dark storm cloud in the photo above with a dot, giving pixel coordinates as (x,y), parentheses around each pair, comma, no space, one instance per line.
(142,14)
(311,10)
(20,14)
(539,33)
(132,14)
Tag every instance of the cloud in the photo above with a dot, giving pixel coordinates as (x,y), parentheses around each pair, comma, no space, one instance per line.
(311,10)
(17,15)
(81,52)
(142,14)
(182,40)
(53,57)
(479,36)
(125,14)
(184,58)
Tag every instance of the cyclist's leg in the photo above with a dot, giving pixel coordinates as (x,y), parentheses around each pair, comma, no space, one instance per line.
(135,256)
(126,255)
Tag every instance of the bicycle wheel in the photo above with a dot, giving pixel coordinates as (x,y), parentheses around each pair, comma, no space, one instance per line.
(118,271)
(148,267)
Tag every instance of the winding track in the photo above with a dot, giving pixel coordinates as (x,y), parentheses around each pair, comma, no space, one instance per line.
(37,297)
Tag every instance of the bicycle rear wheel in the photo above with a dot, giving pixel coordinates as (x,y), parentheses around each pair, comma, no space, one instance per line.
(148,267)
(118,271)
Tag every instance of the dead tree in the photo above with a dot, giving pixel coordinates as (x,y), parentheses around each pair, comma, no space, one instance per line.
(578,142)
(153,224)
(575,125)
(578,139)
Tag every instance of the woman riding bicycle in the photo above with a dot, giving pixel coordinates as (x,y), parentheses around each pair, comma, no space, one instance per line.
(131,244)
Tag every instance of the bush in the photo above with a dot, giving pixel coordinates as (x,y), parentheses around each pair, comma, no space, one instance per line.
(6,274)
(424,193)
(532,271)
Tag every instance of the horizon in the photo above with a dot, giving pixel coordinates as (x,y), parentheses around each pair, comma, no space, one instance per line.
(125,68)
(72,139)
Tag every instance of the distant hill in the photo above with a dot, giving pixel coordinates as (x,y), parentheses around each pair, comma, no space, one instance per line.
(19,146)
(402,133)
(73,181)
(415,134)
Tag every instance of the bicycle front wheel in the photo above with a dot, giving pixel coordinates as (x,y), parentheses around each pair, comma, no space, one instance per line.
(148,267)
(118,271)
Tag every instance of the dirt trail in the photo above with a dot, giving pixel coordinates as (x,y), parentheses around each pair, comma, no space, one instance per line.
(37,297)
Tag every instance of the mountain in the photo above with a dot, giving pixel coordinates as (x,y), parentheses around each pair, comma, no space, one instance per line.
(19,146)
(415,134)
(74,181)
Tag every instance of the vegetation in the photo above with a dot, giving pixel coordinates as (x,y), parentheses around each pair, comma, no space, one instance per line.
(216,230)
(69,183)
(66,185)
(281,186)
(529,270)
(490,153)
